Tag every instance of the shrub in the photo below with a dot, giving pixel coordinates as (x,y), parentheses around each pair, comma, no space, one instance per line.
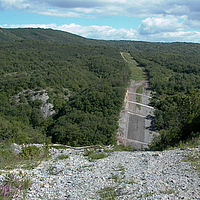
(30,152)
(14,185)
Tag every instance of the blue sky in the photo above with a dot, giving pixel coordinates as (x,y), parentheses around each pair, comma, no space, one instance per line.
(141,20)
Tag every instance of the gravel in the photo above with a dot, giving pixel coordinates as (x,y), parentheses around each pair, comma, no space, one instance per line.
(121,175)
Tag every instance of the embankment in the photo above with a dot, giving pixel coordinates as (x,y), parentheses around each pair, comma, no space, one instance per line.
(136,124)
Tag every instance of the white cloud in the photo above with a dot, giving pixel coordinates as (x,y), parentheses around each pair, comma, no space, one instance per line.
(58,13)
(156,25)
(95,32)
(166,20)
(100,32)
(83,8)
(191,24)
(45,26)
(17,4)
(110,33)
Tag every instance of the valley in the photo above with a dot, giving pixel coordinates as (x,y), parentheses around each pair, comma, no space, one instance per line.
(103,102)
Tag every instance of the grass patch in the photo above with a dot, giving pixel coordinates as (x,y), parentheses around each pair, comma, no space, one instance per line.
(52,170)
(115,177)
(138,100)
(92,156)
(146,195)
(139,90)
(85,168)
(120,148)
(28,158)
(136,73)
(110,193)
(121,168)
(62,157)
(139,97)
(194,159)
(131,181)
(118,189)
(194,142)
(169,191)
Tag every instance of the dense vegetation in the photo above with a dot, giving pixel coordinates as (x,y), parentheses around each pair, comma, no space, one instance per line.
(86,85)
(174,75)
(86,81)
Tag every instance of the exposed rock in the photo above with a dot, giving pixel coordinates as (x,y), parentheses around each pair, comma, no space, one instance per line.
(16,149)
(122,175)
(46,107)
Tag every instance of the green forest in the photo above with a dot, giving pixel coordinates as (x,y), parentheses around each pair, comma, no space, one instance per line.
(86,81)
(173,71)
(86,85)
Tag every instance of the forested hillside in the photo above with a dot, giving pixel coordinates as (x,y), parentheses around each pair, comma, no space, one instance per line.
(85,81)
(174,74)
(86,85)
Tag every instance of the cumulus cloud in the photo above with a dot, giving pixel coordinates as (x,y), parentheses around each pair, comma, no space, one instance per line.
(165,20)
(156,25)
(17,4)
(110,33)
(134,8)
(45,26)
(58,13)
(75,3)
(100,32)
(95,32)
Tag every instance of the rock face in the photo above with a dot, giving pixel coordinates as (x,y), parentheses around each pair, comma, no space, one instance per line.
(16,149)
(46,107)
(122,175)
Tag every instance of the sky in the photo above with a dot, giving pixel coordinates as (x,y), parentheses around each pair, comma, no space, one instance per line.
(137,20)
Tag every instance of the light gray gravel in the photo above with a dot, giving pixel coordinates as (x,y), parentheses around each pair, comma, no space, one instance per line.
(126,175)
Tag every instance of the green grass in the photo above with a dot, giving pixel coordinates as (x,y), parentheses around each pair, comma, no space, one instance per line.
(28,159)
(52,170)
(121,168)
(110,193)
(120,148)
(168,191)
(194,159)
(118,189)
(92,156)
(62,157)
(146,195)
(136,73)
(139,90)
(17,184)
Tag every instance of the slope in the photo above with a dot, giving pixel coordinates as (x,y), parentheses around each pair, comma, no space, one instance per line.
(85,84)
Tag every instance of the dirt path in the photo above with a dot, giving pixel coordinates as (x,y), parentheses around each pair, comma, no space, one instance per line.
(136,119)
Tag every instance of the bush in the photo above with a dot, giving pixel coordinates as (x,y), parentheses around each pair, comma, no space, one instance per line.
(30,152)
(13,185)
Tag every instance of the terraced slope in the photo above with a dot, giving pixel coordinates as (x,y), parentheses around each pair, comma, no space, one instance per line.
(136,127)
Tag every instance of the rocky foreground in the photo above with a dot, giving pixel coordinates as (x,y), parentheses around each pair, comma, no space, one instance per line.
(121,175)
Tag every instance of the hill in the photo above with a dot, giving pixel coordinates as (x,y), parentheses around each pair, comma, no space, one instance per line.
(85,85)
(80,83)
(46,35)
